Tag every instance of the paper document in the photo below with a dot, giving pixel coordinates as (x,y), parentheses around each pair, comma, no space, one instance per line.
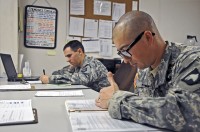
(77,7)
(15,111)
(60,93)
(105,29)
(118,10)
(15,86)
(91,44)
(35,82)
(59,87)
(91,28)
(76,26)
(86,116)
(102,7)
(82,105)
(101,121)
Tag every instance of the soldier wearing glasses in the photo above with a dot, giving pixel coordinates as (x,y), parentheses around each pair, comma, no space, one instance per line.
(168,86)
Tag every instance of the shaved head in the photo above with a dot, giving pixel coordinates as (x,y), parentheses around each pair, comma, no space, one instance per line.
(145,52)
(132,24)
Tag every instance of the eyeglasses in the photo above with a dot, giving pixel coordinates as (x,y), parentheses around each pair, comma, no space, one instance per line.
(125,53)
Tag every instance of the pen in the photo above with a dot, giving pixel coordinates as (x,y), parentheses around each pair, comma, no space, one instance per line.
(44,71)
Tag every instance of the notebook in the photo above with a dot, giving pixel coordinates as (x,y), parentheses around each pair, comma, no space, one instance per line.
(11,71)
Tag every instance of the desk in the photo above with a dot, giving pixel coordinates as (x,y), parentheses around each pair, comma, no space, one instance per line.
(52,115)
(3,81)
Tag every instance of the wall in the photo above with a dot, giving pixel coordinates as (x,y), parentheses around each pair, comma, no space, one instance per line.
(8,30)
(38,58)
(174,18)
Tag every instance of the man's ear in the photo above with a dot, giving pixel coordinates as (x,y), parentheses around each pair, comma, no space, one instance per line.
(80,51)
(149,36)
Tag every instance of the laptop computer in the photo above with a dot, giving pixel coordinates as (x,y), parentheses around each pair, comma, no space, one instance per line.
(11,71)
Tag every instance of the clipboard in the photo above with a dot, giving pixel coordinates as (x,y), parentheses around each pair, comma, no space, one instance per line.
(24,123)
(124,76)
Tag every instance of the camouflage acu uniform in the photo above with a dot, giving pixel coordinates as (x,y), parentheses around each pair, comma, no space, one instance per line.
(92,74)
(169,98)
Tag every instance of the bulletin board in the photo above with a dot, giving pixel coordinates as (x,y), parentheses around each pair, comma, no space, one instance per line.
(94,27)
(40,27)
(89,9)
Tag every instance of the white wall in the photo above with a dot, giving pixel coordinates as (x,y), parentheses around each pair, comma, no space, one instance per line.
(174,18)
(9,30)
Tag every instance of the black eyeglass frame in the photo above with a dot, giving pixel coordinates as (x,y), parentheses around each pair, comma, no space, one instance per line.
(125,53)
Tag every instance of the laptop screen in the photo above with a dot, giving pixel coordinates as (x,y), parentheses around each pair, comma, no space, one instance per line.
(8,65)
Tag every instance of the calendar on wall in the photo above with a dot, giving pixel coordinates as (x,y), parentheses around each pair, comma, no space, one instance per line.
(40,27)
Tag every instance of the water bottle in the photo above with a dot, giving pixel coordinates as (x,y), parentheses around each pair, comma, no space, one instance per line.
(191,40)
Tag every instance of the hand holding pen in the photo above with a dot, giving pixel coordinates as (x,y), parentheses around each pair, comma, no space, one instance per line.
(44,78)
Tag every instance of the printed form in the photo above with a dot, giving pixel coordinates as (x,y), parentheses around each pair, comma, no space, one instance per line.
(15,111)
(101,121)
(60,93)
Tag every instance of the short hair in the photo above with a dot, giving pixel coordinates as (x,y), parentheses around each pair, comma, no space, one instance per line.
(74,45)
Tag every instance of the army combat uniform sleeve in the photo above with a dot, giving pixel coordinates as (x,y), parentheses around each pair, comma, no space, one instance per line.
(91,74)
(178,110)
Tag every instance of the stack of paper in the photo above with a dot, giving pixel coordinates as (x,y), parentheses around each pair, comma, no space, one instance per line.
(15,87)
(91,118)
(82,105)
(60,93)
(16,112)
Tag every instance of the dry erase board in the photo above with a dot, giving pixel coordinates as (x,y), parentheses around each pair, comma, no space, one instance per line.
(40,27)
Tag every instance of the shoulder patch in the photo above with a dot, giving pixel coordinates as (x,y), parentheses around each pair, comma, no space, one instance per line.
(192,78)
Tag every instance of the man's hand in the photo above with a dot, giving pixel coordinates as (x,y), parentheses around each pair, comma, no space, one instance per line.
(107,92)
(44,79)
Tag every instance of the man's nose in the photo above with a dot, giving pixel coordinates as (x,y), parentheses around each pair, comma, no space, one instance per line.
(68,59)
(126,60)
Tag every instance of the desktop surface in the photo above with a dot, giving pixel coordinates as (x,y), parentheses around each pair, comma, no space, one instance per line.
(52,114)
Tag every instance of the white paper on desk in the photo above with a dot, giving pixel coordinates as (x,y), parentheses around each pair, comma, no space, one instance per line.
(102,7)
(77,7)
(69,93)
(76,26)
(35,82)
(59,86)
(15,111)
(118,10)
(16,86)
(78,105)
(90,44)
(105,47)
(105,29)
(91,28)
(101,121)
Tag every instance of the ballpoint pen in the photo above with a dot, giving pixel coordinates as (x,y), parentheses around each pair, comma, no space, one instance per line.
(44,71)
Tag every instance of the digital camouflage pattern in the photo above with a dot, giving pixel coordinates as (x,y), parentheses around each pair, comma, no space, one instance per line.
(169,99)
(92,74)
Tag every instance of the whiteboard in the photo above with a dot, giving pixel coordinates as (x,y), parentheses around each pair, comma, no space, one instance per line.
(40,27)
